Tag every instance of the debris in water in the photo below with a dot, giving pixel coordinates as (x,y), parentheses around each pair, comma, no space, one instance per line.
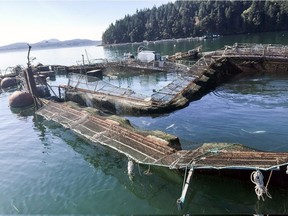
(172,125)
(254,132)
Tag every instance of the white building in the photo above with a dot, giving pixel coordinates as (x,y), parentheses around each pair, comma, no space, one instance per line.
(148,56)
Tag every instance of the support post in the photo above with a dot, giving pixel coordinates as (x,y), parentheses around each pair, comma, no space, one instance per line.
(181,200)
(30,81)
(59,92)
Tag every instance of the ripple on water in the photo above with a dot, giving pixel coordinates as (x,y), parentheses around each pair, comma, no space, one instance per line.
(251,111)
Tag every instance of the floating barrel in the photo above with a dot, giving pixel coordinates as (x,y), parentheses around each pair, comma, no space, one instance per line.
(8,82)
(42,91)
(20,99)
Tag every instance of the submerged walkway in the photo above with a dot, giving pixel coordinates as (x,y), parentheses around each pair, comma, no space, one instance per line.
(150,149)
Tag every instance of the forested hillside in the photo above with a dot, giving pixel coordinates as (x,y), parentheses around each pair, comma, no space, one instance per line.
(196,18)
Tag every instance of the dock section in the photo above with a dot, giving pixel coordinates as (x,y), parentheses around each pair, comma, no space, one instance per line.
(155,148)
(204,76)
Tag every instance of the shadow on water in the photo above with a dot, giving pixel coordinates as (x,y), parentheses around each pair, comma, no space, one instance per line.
(160,187)
(24,112)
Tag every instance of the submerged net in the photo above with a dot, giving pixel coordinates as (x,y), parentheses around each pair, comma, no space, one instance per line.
(94,84)
(170,91)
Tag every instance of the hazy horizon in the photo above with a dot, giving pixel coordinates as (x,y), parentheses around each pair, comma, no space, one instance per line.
(22,42)
(33,21)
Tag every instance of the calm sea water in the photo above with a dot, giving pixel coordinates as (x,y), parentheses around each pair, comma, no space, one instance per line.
(46,169)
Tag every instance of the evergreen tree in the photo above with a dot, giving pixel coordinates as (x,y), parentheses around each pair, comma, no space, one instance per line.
(197,18)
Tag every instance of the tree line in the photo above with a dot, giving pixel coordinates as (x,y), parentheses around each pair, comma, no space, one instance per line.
(183,19)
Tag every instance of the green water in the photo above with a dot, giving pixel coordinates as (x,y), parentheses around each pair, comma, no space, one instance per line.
(171,47)
(46,169)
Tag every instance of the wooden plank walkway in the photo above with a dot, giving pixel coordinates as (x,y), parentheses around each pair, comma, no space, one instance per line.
(151,150)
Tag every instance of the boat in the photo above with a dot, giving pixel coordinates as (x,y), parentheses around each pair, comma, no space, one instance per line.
(189,55)
(211,36)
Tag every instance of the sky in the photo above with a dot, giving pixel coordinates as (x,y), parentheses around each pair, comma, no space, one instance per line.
(32,21)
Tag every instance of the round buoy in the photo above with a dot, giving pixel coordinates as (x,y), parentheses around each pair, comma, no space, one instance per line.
(8,82)
(20,99)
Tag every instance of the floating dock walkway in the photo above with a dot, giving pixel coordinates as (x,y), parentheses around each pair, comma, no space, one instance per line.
(148,149)
(152,150)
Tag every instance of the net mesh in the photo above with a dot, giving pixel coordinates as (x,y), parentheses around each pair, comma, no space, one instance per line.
(153,151)
(94,84)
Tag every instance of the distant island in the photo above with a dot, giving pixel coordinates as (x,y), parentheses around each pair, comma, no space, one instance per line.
(51,43)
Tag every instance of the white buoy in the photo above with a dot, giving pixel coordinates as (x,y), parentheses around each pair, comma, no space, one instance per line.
(130,169)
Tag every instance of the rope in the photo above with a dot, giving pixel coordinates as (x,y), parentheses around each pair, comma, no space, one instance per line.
(139,170)
(258,179)
(147,172)
(269,179)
